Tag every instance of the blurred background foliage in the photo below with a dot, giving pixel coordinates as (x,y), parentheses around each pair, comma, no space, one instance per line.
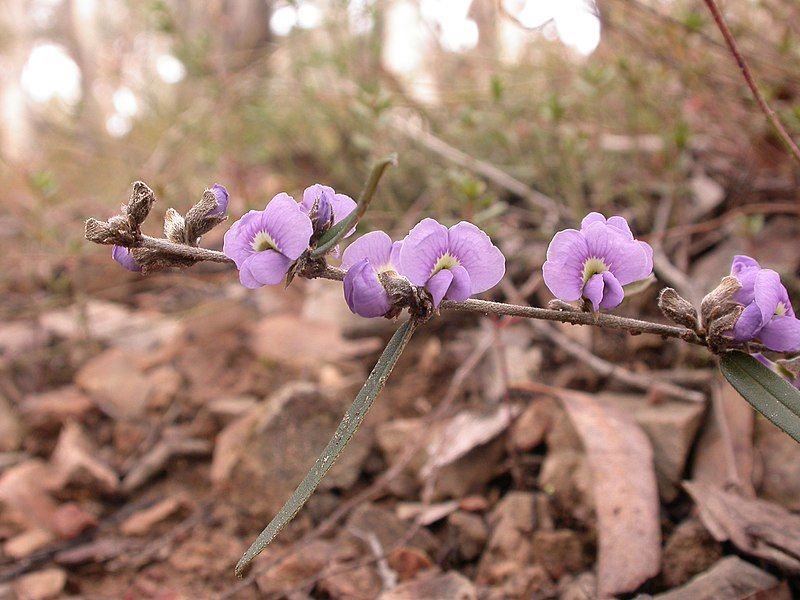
(264,96)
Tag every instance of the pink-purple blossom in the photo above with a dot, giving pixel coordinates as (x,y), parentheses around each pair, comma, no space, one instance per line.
(768,314)
(365,259)
(325,207)
(596,261)
(265,243)
(221,195)
(452,263)
(124,257)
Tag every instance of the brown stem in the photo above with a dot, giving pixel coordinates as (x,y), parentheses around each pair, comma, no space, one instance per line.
(751,83)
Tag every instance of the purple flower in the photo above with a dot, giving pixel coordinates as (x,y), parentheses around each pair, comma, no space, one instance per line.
(264,243)
(596,261)
(451,263)
(365,259)
(768,314)
(221,195)
(124,257)
(330,207)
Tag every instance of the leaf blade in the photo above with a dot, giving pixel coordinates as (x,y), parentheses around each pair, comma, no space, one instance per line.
(767,392)
(350,423)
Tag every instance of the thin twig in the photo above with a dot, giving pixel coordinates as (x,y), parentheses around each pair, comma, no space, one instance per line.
(751,82)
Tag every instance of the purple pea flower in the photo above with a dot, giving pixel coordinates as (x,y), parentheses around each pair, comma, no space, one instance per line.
(365,259)
(221,195)
(451,263)
(596,261)
(768,314)
(331,207)
(264,243)
(124,257)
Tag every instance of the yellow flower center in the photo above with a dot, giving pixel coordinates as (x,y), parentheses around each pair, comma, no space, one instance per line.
(446,261)
(592,267)
(262,241)
(780,310)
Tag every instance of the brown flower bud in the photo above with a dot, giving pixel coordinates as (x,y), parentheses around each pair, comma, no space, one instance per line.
(724,318)
(139,205)
(678,309)
(203,217)
(174,226)
(716,302)
(115,231)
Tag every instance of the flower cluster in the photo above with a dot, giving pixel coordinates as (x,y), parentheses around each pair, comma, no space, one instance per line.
(453,263)
(768,315)
(596,261)
(265,243)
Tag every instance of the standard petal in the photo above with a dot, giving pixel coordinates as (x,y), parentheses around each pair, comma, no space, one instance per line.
(629,261)
(748,324)
(568,247)
(363,291)
(461,287)
(612,291)
(781,334)
(342,206)
(593,290)
(422,248)
(439,284)
(394,256)
(287,225)
(564,283)
(621,224)
(768,292)
(742,263)
(592,217)
(238,239)
(268,267)
(745,269)
(483,260)
(316,192)
(375,245)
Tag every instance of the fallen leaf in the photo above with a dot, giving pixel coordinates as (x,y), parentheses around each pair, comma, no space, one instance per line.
(75,463)
(625,492)
(141,522)
(115,384)
(754,526)
(23,489)
(41,585)
(724,453)
(733,579)
(291,340)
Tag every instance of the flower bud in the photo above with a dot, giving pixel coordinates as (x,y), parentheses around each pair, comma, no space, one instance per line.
(676,308)
(717,301)
(139,204)
(174,226)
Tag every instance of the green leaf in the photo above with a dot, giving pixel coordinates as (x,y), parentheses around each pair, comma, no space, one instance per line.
(334,235)
(349,425)
(766,391)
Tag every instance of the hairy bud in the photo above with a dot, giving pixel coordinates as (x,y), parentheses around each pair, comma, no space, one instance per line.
(717,302)
(139,205)
(203,217)
(115,231)
(678,309)
(174,226)
(723,319)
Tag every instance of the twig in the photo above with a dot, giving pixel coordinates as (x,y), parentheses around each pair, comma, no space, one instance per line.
(751,83)
(497,176)
(605,368)
(669,272)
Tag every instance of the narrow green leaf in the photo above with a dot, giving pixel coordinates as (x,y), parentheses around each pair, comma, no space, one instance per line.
(349,425)
(334,235)
(766,391)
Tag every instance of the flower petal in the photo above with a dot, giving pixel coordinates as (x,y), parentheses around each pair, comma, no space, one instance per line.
(268,267)
(124,257)
(342,206)
(394,255)
(375,245)
(630,261)
(781,334)
(592,217)
(287,225)
(612,291)
(768,291)
(461,287)
(316,192)
(748,324)
(483,260)
(363,291)
(221,196)
(422,248)
(563,270)
(439,284)
(620,223)
(238,239)
(745,269)
(593,290)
